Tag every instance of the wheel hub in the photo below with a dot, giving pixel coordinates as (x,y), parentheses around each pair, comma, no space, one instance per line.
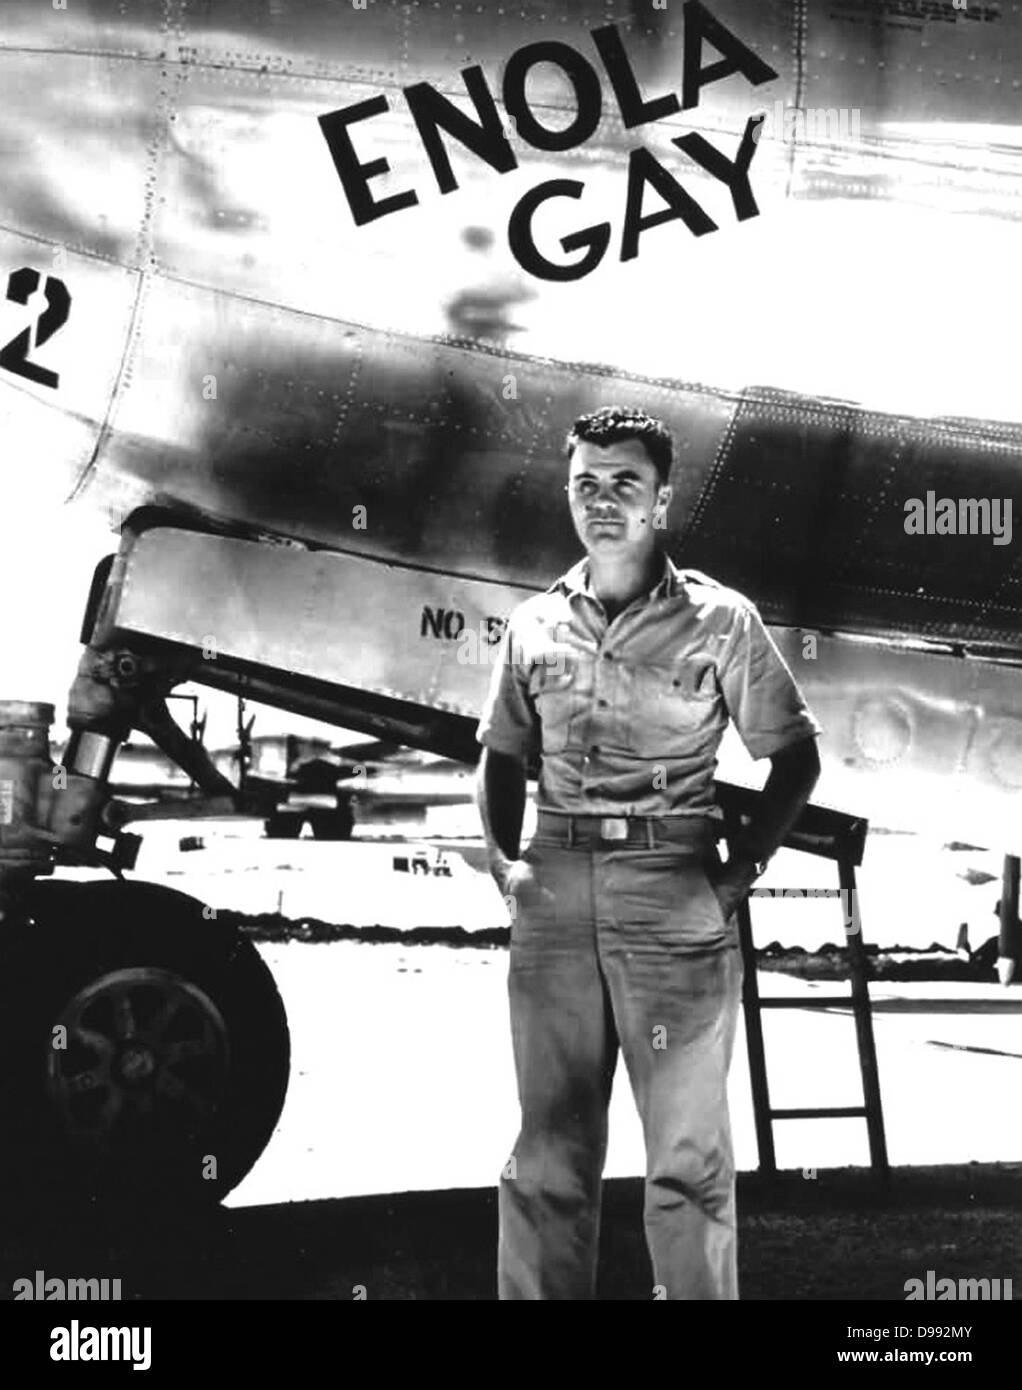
(140,1059)
(135,1064)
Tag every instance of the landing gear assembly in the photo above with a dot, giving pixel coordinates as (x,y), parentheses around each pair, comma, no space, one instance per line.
(144,1049)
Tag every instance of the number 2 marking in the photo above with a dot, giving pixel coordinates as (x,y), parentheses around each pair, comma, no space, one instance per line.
(21,286)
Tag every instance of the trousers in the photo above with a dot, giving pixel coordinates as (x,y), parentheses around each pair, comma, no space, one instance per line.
(619,948)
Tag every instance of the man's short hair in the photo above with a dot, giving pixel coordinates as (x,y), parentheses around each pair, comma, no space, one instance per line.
(612,424)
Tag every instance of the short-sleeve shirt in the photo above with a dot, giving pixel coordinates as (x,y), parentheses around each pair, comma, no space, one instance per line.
(626,717)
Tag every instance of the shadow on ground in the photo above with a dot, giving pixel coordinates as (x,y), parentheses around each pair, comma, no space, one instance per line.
(838,1236)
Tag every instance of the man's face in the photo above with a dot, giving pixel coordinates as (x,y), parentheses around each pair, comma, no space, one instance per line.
(614,494)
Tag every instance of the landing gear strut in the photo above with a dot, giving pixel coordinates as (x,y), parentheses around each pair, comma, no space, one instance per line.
(144,1049)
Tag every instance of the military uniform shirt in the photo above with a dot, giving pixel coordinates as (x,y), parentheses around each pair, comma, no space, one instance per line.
(628,715)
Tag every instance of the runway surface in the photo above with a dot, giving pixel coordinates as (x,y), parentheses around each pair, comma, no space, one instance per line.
(401,1066)
(402,1076)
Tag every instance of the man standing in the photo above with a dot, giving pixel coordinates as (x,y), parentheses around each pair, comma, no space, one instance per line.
(622,677)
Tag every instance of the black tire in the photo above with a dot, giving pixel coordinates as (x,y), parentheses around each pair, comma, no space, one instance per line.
(171,1073)
(283,825)
(332,825)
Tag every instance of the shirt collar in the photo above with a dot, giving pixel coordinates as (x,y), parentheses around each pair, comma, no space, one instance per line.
(576,580)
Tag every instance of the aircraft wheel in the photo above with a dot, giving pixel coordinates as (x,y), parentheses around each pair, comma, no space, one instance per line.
(332,825)
(144,1050)
(283,825)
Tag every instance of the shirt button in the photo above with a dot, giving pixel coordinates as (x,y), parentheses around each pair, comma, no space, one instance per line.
(601,703)
(608,656)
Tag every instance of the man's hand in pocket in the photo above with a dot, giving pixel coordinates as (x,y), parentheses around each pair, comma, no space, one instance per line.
(731,885)
(518,886)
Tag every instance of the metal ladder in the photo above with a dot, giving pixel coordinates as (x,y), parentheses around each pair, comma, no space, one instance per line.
(830,835)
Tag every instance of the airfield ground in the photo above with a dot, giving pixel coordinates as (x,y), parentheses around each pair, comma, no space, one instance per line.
(837,1238)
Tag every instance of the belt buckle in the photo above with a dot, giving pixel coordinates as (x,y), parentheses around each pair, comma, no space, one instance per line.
(613,828)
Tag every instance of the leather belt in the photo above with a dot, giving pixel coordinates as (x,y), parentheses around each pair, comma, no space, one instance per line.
(698,833)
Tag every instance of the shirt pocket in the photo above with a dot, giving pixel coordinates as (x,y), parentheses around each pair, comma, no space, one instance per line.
(554,690)
(669,704)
